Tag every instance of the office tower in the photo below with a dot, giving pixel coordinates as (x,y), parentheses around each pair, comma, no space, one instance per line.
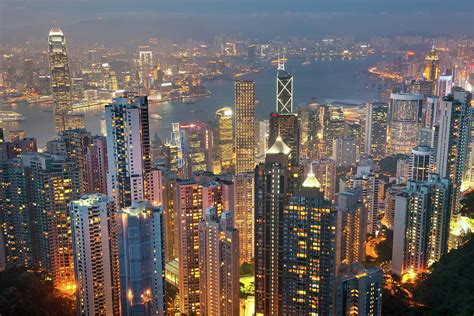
(284,90)
(169,218)
(128,148)
(15,218)
(390,196)
(421,225)
(224,141)
(425,137)
(376,130)
(218,194)
(351,227)
(403,170)
(344,151)
(97,165)
(431,112)
(156,187)
(243,214)
(359,291)
(445,84)
(142,268)
(244,126)
(274,181)
(372,187)
(219,264)
(421,163)
(333,127)
(286,126)
(197,144)
(431,71)
(325,171)
(54,183)
(94,245)
(252,54)
(188,212)
(405,118)
(308,259)
(453,141)
(263,133)
(174,152)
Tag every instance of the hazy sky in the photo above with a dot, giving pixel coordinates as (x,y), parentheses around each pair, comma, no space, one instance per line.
(111,20)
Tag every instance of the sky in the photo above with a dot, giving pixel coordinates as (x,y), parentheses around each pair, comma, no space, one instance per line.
(115,20)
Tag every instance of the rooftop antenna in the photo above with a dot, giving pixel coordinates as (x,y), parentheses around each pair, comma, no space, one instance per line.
(281,61)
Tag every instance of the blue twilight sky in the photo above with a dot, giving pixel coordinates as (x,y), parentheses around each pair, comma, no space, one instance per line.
(110,20)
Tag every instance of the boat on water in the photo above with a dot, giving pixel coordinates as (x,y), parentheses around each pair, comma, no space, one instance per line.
(10,116)
(306,63)
(156,116)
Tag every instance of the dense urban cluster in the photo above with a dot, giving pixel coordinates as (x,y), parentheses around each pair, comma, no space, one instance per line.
(281,216)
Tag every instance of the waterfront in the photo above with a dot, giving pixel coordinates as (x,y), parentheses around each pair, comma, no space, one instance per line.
(326,80)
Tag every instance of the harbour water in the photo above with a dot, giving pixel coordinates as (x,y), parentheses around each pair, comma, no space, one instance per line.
(326,80)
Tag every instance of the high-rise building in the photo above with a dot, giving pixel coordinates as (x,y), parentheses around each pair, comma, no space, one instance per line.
(431,71)
(287,127)
(244,126)
(61,83)
(284,90)
(445,84)
(274,181)
(404,121)
(421,163)
(95,249)
(359,291)
(197,144)
(243,213)
(219,264)
(224,141)
(376,130)
(308,255)
(128,148)
(188,212)
(351,227)
(142,267)
(263,133)
(97,165)
(390,196)
(325,171)
(344,151)
(453,140)
(403,170)
(421,225)
(334,127)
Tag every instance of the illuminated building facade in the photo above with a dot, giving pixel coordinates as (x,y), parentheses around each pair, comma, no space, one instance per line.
(421,224)
(95,249)
(359,291)
(453,141)
(376,130)
(308,252)
(287,127)
(351,227)
(224,141)
(333,127)
(197,144)
(284,90)
(188,212)
(244,126)
(431,71)
(390,196)
(344,151)
(97,165)
(60,77)
(325,171)
(243,213)
(128,148)
(219,264)
(405,119)
(142,267)
(421,163)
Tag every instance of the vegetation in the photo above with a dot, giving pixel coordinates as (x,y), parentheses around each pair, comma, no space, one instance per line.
(388,165)
(447,290)
(467,204)
(24,292)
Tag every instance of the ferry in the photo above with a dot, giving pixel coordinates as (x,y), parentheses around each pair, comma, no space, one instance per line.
(156,116)
(10,116)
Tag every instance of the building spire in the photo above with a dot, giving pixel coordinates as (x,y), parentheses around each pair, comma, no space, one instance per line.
(311,181)
(281,60)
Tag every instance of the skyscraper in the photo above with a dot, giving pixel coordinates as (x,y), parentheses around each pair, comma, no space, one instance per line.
(219,264)
(274,181)
(359,291)
(421,225)
(244,126)
(128,148)
(243,214)
(140,240)
(286,126)
(308,255)
(284,90)
(188,212)
(376,129)
(405,119)
(325,171)
(344,151)
(61,82)
(431,71)
(197,145)
(95,249)
(453,140)
(421,163)
(224,141)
